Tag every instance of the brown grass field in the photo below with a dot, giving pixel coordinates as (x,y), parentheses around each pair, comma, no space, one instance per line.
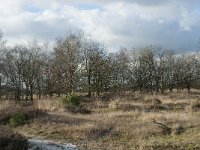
(169,121)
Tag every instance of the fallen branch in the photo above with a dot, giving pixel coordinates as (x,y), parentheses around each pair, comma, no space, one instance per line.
(166,129)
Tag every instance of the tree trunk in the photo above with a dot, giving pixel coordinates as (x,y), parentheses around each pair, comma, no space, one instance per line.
(89,83)
(188,88)
(17,94)
(0,89)
(31,93)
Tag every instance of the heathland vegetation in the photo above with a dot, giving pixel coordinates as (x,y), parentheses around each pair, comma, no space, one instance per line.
(80,92)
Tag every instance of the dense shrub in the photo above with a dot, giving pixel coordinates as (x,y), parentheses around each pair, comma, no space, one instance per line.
(72,101)
(17,119)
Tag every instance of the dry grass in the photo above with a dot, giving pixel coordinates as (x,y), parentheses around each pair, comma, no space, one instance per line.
(122,124)
(6,103)
(114,130)
(50,105)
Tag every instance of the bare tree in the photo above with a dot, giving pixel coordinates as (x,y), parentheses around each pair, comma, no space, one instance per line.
(120,71)
(2,51)
(169,66)
(32,67)
(147,64)
(189,73)
(14,69)
(66,52)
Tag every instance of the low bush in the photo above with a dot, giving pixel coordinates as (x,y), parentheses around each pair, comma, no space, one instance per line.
(17,119)
(72,101)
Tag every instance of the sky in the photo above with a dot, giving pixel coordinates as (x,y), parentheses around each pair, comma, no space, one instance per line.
(173,24)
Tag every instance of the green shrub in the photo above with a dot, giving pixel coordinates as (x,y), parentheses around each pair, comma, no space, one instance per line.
(17,119)
(72,101)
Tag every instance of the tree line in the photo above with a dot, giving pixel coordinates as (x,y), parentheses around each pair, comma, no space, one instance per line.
(78,64)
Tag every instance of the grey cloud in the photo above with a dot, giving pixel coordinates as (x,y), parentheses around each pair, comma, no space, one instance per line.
(173,24)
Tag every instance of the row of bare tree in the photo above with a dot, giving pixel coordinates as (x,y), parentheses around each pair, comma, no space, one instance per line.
(79,64)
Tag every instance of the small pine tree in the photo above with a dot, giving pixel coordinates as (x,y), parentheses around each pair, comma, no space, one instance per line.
(72,101)
(18,119)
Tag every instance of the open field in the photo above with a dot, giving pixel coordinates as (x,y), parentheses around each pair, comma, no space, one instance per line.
(169,121)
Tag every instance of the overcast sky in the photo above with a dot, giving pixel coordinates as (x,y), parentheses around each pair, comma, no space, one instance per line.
(129,23)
